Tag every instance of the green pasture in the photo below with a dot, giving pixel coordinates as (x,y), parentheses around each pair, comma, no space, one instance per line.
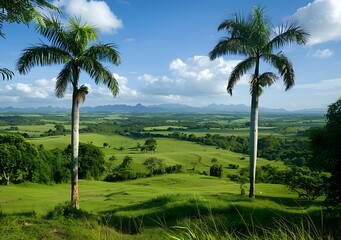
(192,156)
(147,208)
(120,197)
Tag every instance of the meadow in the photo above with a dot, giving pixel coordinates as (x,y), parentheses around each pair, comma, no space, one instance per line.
(187,205)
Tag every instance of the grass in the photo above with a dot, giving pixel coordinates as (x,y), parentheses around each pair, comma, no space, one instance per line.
(190,155)
(149,206)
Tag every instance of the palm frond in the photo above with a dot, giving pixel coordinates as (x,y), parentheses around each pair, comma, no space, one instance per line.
(260,29)
(100,74)
(63,79)
(284,67)
(81,93)
(264,80)
(53,30)
(267,79)
(80,34)
(289,33)
(6,74)
(104,52)
(239,71)
(230,46)
(40,55)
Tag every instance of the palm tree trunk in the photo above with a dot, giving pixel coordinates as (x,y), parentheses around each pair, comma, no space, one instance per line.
(253,139)
(75,144)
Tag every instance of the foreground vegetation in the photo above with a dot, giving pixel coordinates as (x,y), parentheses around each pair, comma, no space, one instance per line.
(144,208)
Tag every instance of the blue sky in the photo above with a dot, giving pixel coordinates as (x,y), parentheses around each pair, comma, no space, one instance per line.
(164,46)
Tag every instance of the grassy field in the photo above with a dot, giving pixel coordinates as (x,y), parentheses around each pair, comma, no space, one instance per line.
(190,155)
(152,205)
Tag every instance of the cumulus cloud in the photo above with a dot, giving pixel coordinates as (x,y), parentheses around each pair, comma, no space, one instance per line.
(322,18)
(40,90)
(322,53)
(195,76)
(101,95)
(96,13)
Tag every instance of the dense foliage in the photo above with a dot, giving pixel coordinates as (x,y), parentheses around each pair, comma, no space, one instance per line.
(326,148)
(91,161)
(308,184)
(22,161)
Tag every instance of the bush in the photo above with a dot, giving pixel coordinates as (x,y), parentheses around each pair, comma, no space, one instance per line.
(233,166)
(67,210)
(216,170)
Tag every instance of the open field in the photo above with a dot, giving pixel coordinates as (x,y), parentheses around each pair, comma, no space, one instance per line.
(190,155)
(146,205)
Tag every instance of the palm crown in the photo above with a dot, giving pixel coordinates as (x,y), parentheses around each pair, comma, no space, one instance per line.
(252,37)
(70,46)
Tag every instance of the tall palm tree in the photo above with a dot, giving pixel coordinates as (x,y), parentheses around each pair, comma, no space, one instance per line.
(255,38)
(70,47)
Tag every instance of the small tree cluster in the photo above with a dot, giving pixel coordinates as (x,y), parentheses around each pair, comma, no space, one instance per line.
(216,170)
(149,145)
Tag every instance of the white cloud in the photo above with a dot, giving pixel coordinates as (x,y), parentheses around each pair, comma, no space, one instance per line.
(148,78)
(96,13)
(322,18)
(324,53)
(41,91)
(194,77)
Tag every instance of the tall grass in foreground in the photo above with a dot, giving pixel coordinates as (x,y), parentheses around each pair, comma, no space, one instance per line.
(201,229)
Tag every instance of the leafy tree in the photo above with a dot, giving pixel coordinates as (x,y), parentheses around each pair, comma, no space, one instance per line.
(326,149)
(59,165)
(91,161)
(20,11)
(155,165)
(309,185)
(70,46)
(121,172)
(252,37)
(18,159)
(149,145)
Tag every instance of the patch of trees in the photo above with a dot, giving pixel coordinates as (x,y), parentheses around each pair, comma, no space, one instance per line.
(307,184)
(157,166)
(17,120)
(122,172)
(59,129)
(149,145)
(326,151)
(22,161)
(154,165)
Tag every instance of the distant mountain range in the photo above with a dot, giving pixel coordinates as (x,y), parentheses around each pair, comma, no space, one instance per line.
(180,108)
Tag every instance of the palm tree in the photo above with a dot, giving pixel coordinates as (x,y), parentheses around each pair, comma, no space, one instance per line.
(70,47)
(254,38)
